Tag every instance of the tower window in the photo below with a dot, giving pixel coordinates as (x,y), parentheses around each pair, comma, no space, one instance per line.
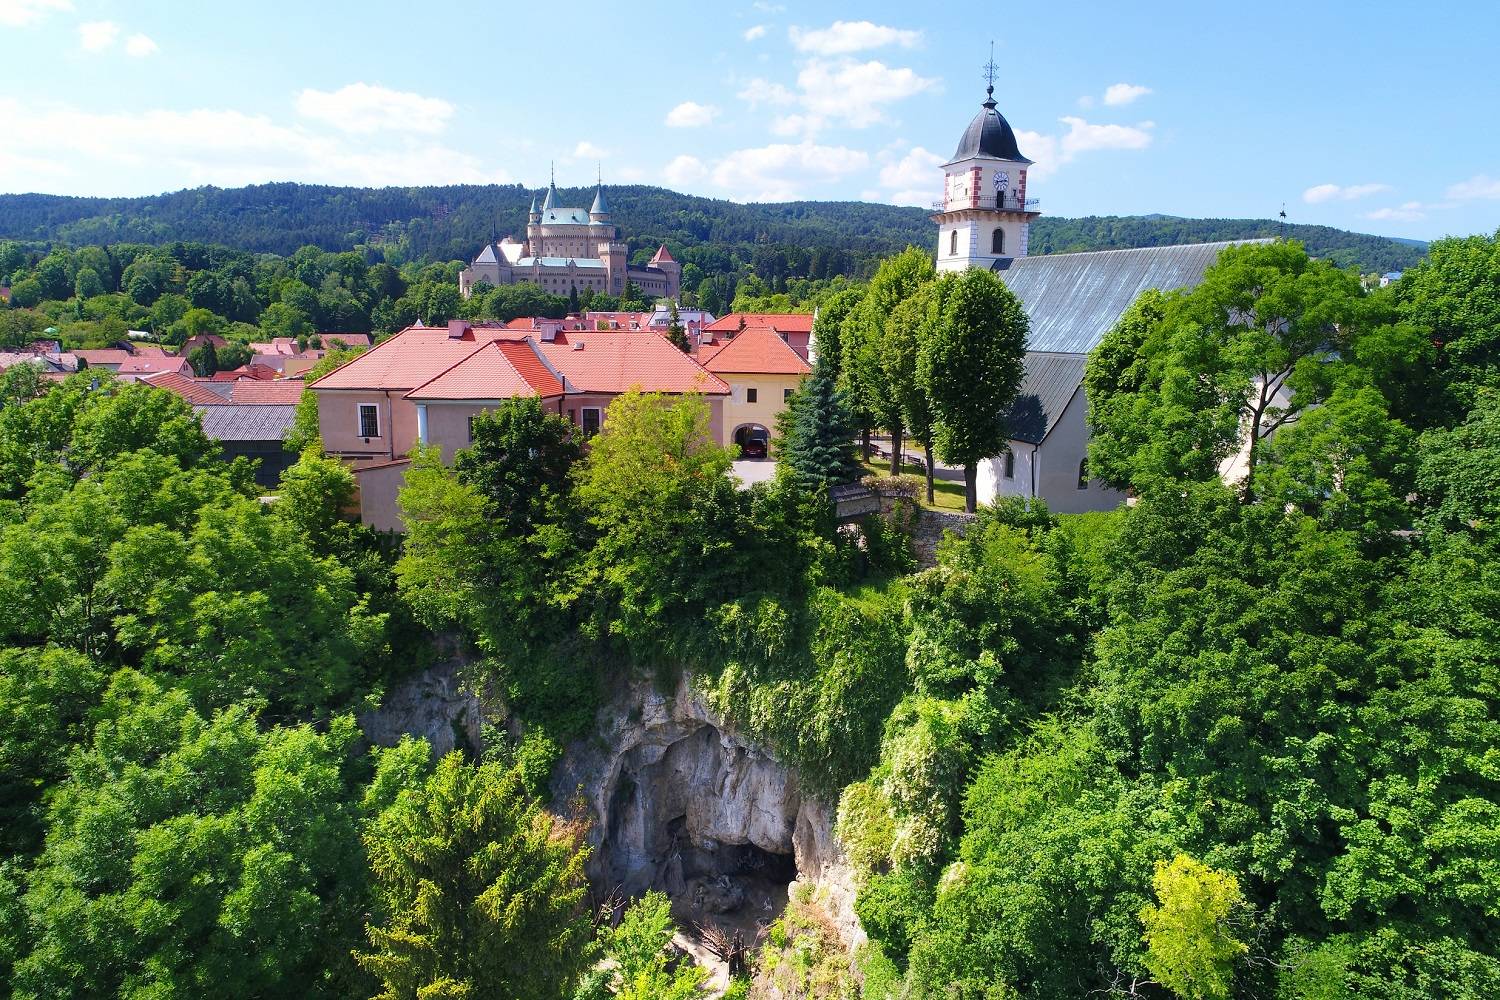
(953,243)
(997,242)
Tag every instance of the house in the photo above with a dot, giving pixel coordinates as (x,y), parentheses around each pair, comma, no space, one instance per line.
(795,328)
(762,371)
(137,366)
(109,358)
(254,431)
(425,385)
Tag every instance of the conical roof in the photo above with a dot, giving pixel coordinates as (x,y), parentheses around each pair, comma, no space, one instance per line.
(534,209)
(553,200)
(599,208)
(989,134)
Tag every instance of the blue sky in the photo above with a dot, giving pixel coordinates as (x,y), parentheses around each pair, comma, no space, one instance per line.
(1379,117)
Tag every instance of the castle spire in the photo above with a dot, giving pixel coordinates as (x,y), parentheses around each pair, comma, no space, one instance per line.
(553,200)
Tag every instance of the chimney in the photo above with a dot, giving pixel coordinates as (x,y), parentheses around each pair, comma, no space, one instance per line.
(457,328)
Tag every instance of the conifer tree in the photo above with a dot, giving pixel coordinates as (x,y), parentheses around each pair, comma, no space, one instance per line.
(675,333)
(816,433)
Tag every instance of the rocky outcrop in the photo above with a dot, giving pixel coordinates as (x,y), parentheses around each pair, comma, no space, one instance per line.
(436,705)
(676,794)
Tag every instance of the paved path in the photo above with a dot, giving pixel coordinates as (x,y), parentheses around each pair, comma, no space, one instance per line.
(751,471)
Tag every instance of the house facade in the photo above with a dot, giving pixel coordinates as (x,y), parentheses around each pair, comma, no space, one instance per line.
(426,384)
(762,371)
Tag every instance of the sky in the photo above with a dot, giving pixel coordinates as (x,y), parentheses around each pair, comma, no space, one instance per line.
(1374,116)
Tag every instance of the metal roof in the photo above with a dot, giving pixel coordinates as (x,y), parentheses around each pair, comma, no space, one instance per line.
(599,207)
(559,261)
(1073,299)
(565,216)
(1051,380)
(246,422)
(989,134)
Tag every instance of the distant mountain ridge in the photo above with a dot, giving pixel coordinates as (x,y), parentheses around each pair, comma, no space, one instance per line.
(452,222)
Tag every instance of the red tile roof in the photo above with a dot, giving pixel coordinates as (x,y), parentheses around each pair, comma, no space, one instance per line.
(411,358)
(756,351)
(617,361)
(147,365)
(663,254)
(280,392)
(348,339)
(781,322)
(497,370)
(188,389)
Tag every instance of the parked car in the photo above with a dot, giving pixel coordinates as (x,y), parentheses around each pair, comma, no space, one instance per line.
(757,444)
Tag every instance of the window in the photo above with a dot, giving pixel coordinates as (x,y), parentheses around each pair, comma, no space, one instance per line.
(997,242)
(471,427)
(1083,474)
(591,419)
(1010,465)
(786,395)
(953,243)
(751,395)
(369,420)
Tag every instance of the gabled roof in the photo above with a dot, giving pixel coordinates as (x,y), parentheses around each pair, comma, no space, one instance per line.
(616,361)
(104,356)
(1051,380)
(1073,299)
(148,365)
(496,370)
(411,358)
(256,392)
(756,351)
(782,322)
(232,422)
(194,392)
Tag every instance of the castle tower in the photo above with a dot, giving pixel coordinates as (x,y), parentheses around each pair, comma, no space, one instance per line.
(534,230)
(985,216)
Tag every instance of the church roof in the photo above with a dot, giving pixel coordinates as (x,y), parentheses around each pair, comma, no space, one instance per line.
(1073,299)
(599,207)
(989,134)
(1051,380)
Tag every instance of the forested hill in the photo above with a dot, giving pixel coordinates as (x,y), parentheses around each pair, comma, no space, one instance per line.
(446,223)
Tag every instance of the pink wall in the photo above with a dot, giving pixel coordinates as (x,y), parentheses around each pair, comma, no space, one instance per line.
(378,487)
(338,423)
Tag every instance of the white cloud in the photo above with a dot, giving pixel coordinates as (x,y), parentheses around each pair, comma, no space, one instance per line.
(1319,193)
(1124,93)
(759,91)
(158,149)
(755,31)
(915,179)
(363,108)
(844,37)
(1411,211)
(783,171)
(96,36)
(853,92)
(1053,151)
(1476,187)
(139,45)
(586,150)
(690,114)
(684,171)
(792,126)
(19,13)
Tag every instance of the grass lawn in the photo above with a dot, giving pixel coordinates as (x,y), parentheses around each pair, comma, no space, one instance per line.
(946,495)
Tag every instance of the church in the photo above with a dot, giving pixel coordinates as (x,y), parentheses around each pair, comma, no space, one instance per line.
(571,249)
(1072,300)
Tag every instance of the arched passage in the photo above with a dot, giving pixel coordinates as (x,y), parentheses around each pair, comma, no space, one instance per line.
(754,440)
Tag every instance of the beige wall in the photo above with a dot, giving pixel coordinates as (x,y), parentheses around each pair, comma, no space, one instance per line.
(338,423)
(377,495)
(770,393)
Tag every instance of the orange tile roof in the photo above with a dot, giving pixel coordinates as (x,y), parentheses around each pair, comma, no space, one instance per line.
(782,322)
(617,361)
(281,392)
(188,389)
(756,351)
(410,358)
(498,370)
(663,254)
(154,363)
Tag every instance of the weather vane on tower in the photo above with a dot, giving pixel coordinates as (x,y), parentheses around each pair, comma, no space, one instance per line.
(990,69)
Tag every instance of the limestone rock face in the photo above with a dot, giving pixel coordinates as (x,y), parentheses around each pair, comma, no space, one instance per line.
(434,704)
(675,793)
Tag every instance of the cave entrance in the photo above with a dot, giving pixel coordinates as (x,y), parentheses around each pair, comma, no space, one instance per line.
(709,823)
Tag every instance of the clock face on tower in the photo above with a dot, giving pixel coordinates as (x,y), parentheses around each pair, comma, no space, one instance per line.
(1002,181)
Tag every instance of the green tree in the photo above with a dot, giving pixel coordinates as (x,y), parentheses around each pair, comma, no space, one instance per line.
(971,366)
(1191,938)
(189,855)
(828,325)
(815,436)
(204,359)
(480,892)
(1455,294)
(912,321)
(865,377)
(675,333)
(640,950)
(88,283)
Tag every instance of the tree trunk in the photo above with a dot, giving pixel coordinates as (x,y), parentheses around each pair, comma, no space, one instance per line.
(865,441)
(896,448)
(927,454)
(971,487)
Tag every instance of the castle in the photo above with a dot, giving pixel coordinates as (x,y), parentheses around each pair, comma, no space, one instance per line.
(570,249)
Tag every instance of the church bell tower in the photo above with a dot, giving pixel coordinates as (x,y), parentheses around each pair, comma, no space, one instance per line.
(985,216)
